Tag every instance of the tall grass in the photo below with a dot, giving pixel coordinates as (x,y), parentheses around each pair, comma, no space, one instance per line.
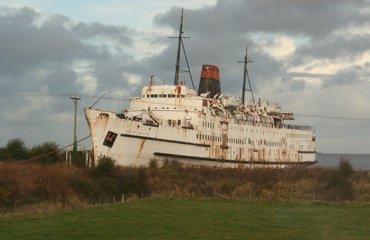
(26,184)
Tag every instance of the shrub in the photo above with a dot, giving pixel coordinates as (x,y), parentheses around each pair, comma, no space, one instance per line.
(15,150)
(133,181)
(339,183)
(4,154)
(105,167)
(46,153)
(171,164)
(153,163)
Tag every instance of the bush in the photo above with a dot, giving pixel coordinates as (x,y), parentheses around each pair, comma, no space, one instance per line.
(105,167)
(4,154)
(340,184)
(153,163)
(46,153)
(133,181)
(15,149)
(171,164)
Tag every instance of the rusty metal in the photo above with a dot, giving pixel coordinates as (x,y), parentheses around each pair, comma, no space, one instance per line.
(209,80)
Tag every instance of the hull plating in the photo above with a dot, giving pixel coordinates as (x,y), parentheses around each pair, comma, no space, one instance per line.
(212,141)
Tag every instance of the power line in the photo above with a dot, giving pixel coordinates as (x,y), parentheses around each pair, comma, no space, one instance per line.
(52,152)
(126,100)
(58,95)
(333,117)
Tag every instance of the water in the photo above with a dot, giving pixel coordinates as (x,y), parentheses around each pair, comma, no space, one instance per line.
(332,160)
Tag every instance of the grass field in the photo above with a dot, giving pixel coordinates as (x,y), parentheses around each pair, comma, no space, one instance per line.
(195,219)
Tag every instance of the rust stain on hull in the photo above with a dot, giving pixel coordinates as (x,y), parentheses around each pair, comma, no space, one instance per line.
(102,119)
(141,146)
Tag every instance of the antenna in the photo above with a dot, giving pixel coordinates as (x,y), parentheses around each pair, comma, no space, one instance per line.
(151,80)
(246,76)
(97,101)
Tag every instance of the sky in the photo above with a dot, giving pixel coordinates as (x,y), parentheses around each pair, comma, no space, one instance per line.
(310,56)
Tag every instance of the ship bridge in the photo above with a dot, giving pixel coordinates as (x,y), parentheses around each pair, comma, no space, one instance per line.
(167,91)
(165,97)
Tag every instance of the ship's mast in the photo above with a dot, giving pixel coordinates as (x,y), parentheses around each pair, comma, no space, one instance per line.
(179,46)
(177,71)
(245,77)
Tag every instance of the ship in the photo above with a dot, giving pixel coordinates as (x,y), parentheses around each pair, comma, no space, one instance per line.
(200,127)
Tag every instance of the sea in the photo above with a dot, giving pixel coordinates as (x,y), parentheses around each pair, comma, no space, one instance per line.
(332,160)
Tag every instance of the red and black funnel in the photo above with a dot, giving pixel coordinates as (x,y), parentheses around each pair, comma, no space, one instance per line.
(209,80)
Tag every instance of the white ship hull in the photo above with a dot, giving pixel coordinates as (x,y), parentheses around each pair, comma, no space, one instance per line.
(136,143)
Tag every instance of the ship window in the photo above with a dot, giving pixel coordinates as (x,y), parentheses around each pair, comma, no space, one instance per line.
(154,95)
(147,95)
(169,121)
(178,122)
(162,95)
(182,95)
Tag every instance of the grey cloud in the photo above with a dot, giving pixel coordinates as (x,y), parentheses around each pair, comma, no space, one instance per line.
(344,78)
(98,30)
(335,47)
(306,17)
(25,45)
(38,59)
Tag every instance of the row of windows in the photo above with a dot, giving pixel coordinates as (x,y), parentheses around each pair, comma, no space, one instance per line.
(209,125)
(239,141)
(236,128)
(296,135)
(241,129)
(172,122)
(219,139)
(163,95)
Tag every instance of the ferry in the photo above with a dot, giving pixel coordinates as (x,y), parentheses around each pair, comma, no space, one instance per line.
(200,127)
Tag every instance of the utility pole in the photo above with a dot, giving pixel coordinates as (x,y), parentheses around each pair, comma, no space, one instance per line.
(74,151)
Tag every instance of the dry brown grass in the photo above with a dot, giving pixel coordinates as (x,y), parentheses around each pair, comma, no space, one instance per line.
(24,185)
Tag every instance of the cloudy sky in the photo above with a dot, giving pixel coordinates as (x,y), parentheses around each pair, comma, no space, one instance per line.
(311,56)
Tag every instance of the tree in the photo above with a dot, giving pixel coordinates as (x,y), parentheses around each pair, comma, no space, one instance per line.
(16,149)
(46,153)
(4,154)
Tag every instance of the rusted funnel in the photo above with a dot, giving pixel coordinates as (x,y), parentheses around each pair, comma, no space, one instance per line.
(209,80)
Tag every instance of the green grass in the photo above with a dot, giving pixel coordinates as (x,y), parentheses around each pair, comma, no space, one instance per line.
(195,219)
